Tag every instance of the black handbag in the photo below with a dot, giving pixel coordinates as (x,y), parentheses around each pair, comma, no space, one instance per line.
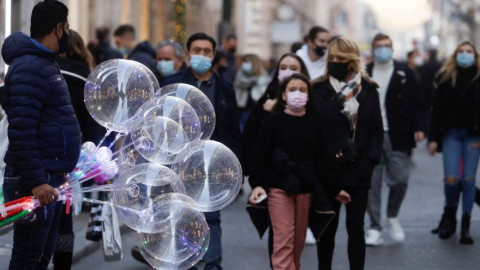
(342,153)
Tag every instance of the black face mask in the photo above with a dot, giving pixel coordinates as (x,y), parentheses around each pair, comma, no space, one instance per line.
(338,70)
(64,44)
(221,69)
(320,51)
(232,50)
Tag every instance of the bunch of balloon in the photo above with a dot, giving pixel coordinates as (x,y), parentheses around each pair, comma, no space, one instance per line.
(169,172)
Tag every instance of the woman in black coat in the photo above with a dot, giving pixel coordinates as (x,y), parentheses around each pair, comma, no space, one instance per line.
(75,67)
(348,103)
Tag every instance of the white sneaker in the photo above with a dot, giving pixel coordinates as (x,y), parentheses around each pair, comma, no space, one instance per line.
(396,231)
(373,238)
(310,239)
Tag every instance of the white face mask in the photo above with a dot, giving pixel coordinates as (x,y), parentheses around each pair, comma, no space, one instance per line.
(296,100)
(418,61)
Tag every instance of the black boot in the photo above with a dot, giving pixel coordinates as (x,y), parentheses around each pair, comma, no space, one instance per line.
(477,196)
(441,223)
(450,223)
(62,260)
(465,237)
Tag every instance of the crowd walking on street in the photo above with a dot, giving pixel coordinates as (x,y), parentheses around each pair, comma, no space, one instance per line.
(319,128)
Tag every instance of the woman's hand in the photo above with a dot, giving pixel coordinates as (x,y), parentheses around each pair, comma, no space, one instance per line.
(432,148)
(343,197)
(269,104)
(256,192)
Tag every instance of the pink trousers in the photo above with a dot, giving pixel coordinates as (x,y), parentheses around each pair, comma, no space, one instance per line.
(289,216)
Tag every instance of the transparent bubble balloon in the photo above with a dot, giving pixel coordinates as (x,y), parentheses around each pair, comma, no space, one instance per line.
(137,189)
(114,91)
(211,174)
(129,155)
(151,75)
(171,107)
(198,100)
(180,246)
(161,140)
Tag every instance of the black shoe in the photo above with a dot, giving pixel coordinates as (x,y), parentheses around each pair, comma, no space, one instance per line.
(450,224)
(137,255)
(465,237)
(441,224)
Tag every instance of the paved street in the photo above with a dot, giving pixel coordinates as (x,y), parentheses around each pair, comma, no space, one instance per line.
(421,250)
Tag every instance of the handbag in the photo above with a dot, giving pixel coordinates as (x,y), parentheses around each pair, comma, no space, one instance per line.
(344,151)
(111,238)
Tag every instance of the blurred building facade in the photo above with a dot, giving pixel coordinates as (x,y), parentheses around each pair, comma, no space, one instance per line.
(265,27)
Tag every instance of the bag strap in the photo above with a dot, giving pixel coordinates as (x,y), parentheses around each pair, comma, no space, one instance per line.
(353,122)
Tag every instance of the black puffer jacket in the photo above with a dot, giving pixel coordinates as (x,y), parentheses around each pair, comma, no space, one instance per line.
(44,134)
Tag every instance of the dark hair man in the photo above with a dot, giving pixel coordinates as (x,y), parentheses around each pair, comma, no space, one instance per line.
(44,135)
(229,47)
(200,53)
(126,42)
(404,124)
(314,52)
(105,51)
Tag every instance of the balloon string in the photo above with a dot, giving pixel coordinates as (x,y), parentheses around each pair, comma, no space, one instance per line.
(111,204)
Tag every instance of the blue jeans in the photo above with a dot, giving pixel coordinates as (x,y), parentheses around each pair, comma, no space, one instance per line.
(459,146)
(34,237)
(213,256)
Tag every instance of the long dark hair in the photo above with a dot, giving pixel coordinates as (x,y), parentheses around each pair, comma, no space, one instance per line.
(272,87)
(280,105)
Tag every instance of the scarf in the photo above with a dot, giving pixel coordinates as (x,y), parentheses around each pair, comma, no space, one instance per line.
(347,94)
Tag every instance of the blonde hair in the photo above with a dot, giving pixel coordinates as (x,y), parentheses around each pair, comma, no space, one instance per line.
(257,65)
(347,49)
(449,70)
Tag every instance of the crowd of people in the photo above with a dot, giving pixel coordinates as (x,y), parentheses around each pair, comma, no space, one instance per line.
(317,129)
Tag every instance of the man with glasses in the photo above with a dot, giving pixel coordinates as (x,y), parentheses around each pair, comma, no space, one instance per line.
(404,123)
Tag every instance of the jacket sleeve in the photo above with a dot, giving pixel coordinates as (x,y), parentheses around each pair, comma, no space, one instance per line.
(27,92)
(418,103)
(375,130)
(260,152)
(435,131)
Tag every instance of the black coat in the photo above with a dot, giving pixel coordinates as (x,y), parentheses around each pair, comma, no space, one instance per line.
(406,109)
(76,74)
(447,115)
(227,129)
(368,137)
(144,53)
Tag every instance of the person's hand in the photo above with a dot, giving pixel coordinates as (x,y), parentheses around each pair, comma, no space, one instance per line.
(269,104)
(419,136)
(45,194)
(432,148)
(256,192)
(343,197)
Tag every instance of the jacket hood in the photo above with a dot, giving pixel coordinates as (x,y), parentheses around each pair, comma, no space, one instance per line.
(145,47)
(18,44)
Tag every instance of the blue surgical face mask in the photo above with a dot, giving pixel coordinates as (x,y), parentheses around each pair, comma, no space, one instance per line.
(247,67)
(383,54)
(200,64)
(166,68)
(465,59)
(123,51)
